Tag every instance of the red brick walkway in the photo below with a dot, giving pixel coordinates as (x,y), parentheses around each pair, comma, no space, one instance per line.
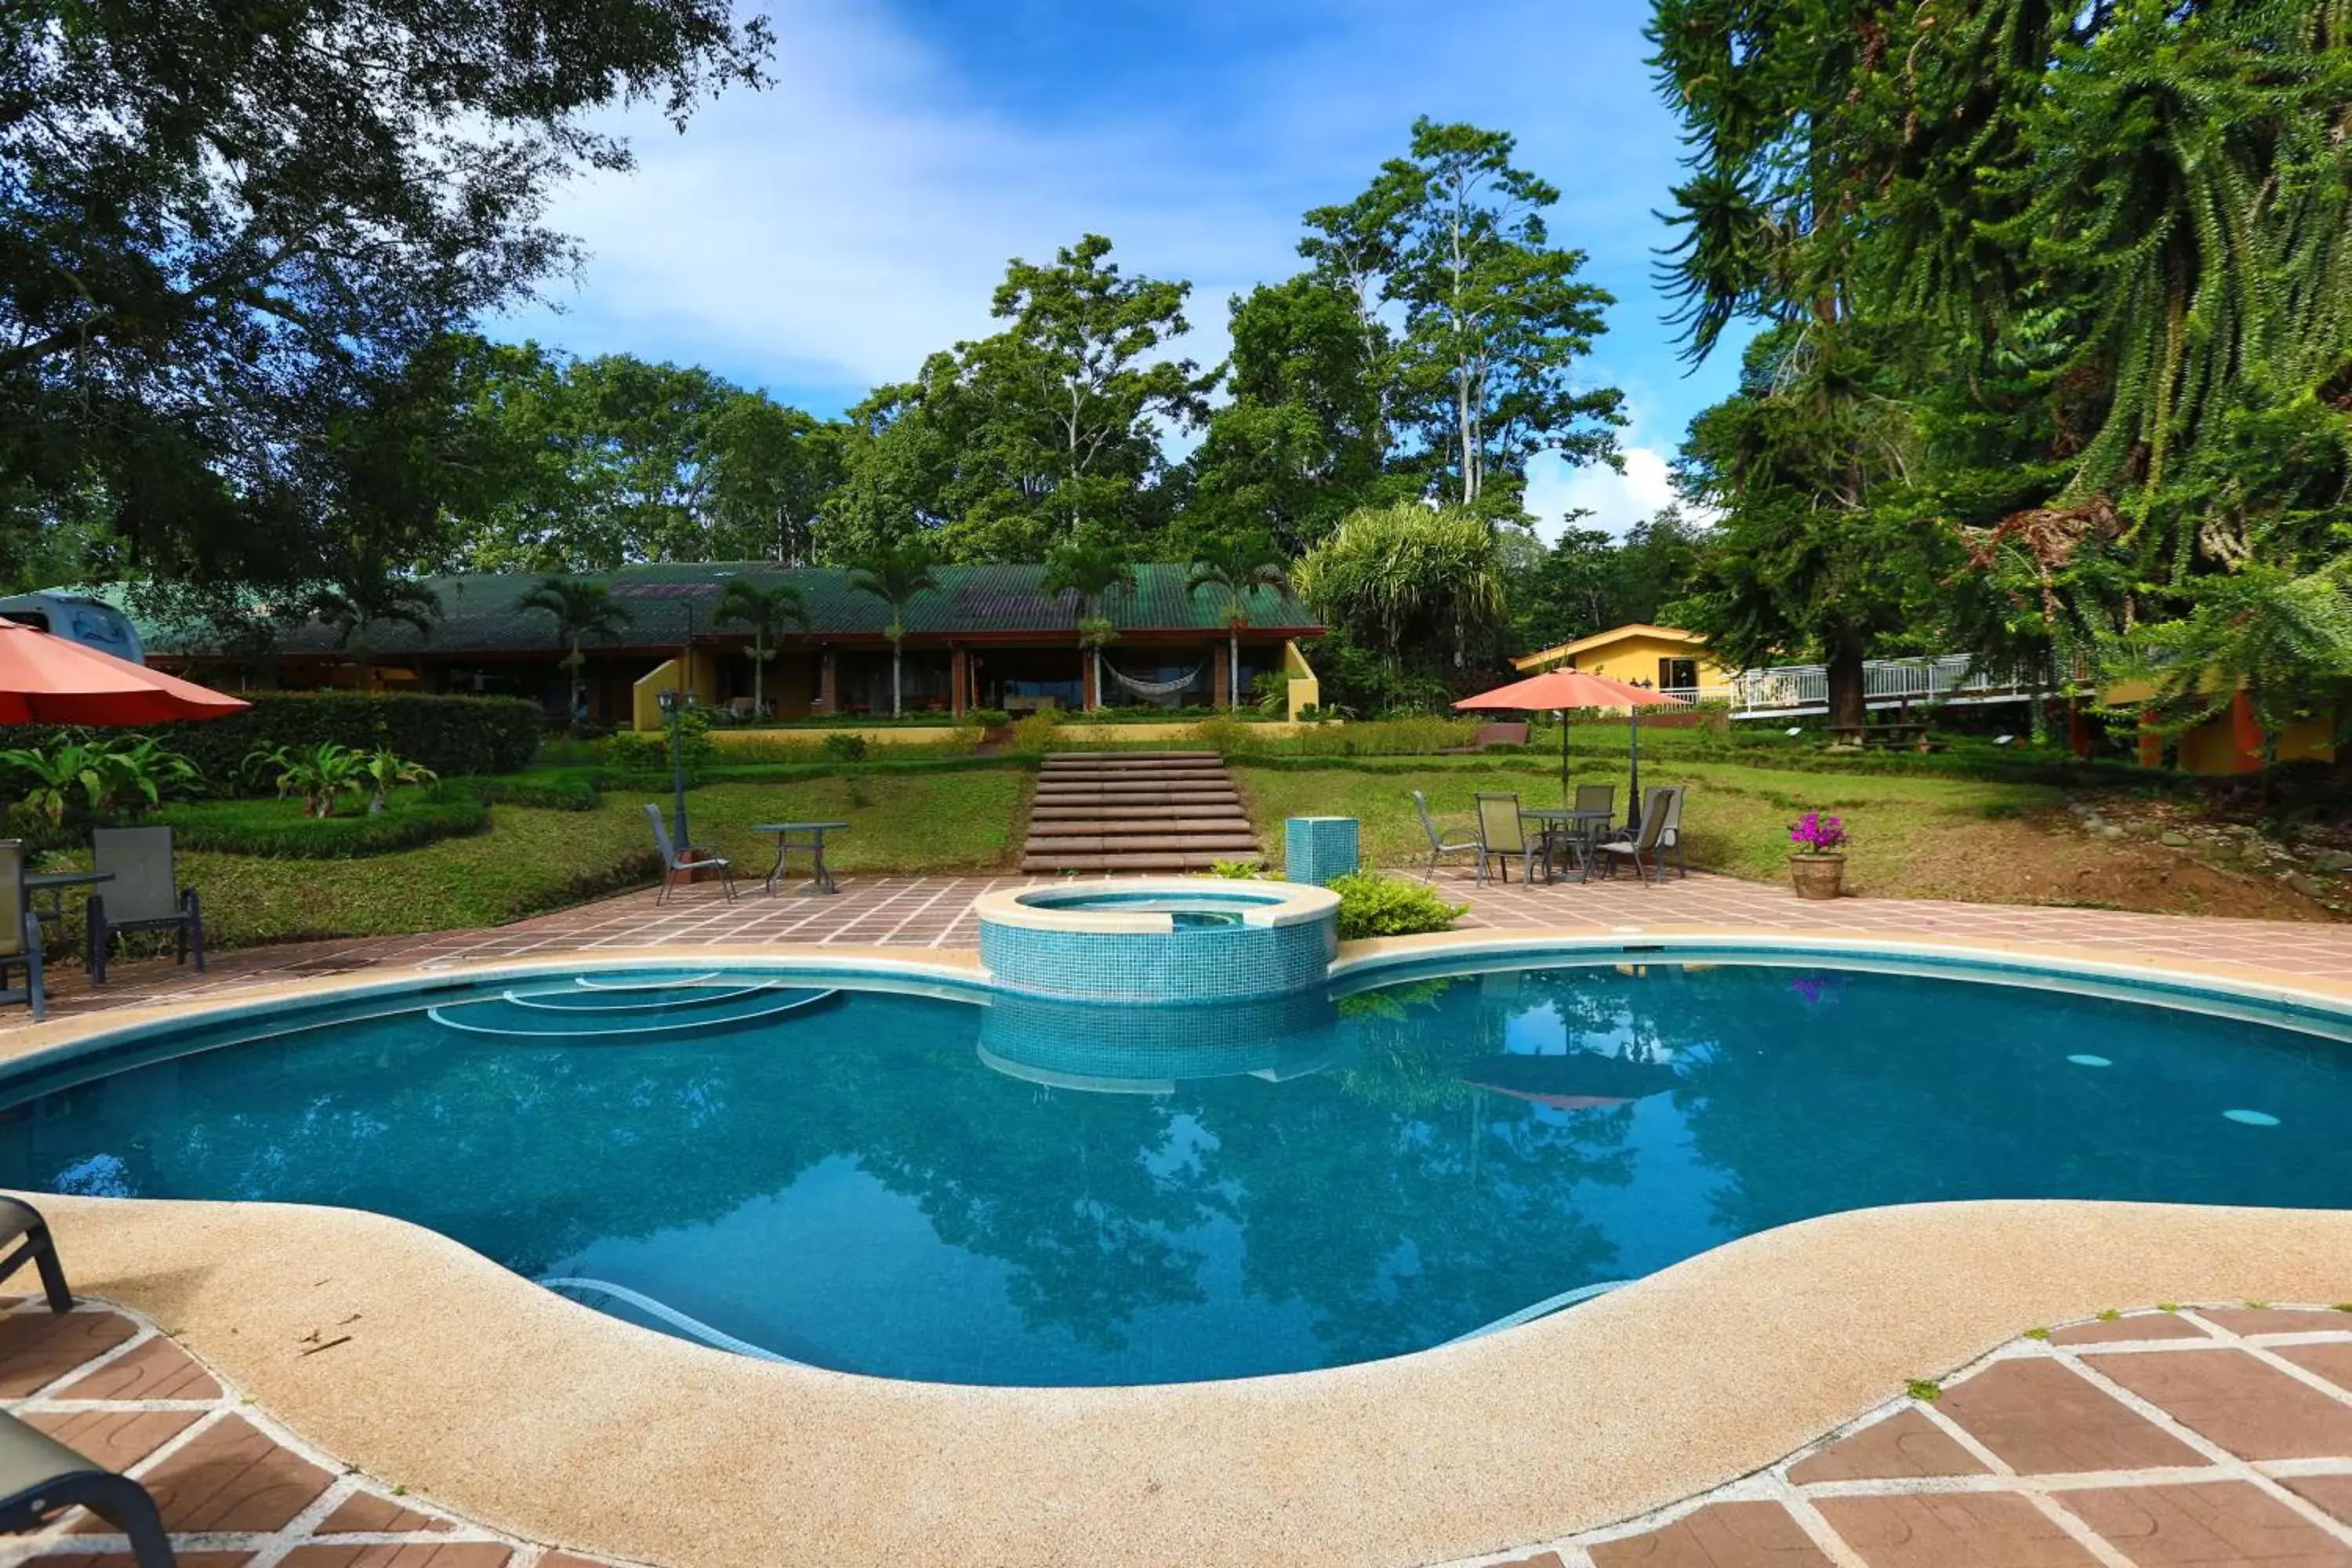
(936,912)
(236,1489)
(2212,1438)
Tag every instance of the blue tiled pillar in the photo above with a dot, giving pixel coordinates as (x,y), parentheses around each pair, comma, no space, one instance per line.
(1317,848)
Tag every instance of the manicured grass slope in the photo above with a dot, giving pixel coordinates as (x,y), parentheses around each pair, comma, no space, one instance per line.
(532,861)
(1736,816)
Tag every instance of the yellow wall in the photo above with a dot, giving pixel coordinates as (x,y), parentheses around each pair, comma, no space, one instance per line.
(1635,658)
(644,698)
(1305,689)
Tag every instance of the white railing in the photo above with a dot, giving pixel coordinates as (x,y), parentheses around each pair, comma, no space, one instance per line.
(1796,689)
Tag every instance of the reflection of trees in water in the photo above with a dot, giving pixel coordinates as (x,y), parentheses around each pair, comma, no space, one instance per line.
(1894,1089)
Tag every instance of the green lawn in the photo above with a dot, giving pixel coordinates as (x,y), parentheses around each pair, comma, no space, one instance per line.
(533,860)
(1736,816)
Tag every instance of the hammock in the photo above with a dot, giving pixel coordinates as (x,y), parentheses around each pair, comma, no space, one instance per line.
(1154,688)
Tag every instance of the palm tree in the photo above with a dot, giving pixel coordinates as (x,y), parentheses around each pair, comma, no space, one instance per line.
(364,601)
(895,574)
(1091,570)
(1236,565)
(768,612)
(582,609)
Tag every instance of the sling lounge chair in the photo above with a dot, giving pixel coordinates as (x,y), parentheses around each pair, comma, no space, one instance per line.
(144,895)
(673,867)
(1503,833)
(20,933)
(1441,842)
(1658,813)
(40,1478)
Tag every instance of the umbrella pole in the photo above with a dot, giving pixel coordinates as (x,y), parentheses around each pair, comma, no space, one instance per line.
(1634,809)
(1563,759)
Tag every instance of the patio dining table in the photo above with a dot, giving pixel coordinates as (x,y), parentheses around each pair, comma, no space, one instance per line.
(55,883)
(803,836)
(1561,823)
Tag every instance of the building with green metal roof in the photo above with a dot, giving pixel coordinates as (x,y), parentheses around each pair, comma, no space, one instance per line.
(986,636)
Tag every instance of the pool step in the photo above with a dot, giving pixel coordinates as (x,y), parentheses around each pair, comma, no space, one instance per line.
(1136,811)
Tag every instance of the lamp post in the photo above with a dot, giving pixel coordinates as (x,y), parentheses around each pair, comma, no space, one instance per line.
(674,705)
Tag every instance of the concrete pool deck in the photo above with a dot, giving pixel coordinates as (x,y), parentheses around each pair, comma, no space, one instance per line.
(546,1422)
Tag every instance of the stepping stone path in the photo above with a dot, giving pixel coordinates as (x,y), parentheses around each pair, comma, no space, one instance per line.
(1136,811)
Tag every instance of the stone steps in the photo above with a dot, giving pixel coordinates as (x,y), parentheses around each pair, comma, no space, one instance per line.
(1102,812)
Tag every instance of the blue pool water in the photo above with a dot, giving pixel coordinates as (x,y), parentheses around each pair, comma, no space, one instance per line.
(1035,1191)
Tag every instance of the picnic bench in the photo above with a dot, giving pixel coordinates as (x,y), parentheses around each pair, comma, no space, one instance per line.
(1901,732)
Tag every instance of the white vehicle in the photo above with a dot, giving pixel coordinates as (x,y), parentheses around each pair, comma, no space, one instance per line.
(76,618)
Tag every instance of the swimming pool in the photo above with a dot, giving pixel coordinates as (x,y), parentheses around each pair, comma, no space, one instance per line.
(949,1185)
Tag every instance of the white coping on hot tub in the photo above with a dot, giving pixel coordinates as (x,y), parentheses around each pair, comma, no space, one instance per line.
(1278,904)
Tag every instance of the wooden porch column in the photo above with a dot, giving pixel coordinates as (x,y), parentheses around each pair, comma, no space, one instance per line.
(959,677)
(1088,697)
(1221,683)
(827,694)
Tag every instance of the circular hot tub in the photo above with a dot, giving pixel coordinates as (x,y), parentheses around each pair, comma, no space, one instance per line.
(1175,939)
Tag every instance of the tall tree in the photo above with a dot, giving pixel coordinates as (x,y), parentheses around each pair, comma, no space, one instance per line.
(772,467)
(582,609)
(770,612)
(1237,567)
(1495,318)
(1013,442)
(1089,570)
(895,574)
(230,227)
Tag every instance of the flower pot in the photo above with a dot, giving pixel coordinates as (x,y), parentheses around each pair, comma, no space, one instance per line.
(1817,876)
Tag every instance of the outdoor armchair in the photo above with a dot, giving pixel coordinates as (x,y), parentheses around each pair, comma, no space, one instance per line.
(1660,811)
(675,863)
(20,932)
(40,1478)
(1503,833)
(20,1219)
(144,895)
(1671,835)
(1442,842)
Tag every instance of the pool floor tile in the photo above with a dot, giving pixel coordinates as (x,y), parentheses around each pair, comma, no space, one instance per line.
(156,1370)
(2215,1524)
(232,1477)
(2229,1397)
(1720,1535)
(1989,1530)
(2039,1417)
(1906,1444)
(115,1439)
(38,1347)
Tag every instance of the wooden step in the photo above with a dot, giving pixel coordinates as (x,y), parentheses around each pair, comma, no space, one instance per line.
(1154,861)
(1174,795)
(1232,845)
(1135,811)
(1131,776)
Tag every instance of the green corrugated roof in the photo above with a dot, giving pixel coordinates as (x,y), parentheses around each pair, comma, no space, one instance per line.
(480,612)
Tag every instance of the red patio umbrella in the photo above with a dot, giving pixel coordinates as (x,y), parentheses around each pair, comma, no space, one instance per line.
(1566,688)
(45,679)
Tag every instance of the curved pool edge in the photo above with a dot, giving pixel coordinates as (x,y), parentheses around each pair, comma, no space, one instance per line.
(474,1386)
(471,1386)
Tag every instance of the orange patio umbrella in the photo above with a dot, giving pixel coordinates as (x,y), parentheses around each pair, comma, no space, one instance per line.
(1564,689)
(45,679)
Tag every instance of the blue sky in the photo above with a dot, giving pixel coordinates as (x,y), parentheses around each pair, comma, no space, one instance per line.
(824,235)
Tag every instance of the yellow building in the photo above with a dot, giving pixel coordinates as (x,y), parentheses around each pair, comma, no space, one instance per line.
(2229,742)
(1666,657)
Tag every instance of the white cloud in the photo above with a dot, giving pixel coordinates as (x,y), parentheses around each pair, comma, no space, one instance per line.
(1616,500)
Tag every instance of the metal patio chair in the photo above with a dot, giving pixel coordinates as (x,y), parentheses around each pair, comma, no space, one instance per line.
(1658,813)
(144,895)
(20,933)
(1441,842)
(1503,833)
(41,1477)
(673,866)
(21,1220)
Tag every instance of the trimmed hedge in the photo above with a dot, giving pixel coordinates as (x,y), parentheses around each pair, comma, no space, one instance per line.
(543,791)
(452,735)
(275,829)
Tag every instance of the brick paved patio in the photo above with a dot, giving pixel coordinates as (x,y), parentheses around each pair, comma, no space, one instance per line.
(2207,1438)
(936,912)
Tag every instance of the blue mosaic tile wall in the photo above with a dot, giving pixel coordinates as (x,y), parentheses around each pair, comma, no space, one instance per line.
(1317,848)
(1193,964)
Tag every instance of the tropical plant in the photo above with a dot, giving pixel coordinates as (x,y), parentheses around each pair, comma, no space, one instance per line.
(1090,569)
(371,598)
(895,574)
(318,773)
(1375,904)
(383,771)
(1813,834)
(582,610)
(770,613)
(1405,573)
(105,773)
(1237,565)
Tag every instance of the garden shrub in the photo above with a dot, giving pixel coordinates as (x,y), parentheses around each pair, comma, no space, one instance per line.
(453,736)
(844,748)
(1033,734)
(541,792)
(278,830)
(1223,733)
(1372,904)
